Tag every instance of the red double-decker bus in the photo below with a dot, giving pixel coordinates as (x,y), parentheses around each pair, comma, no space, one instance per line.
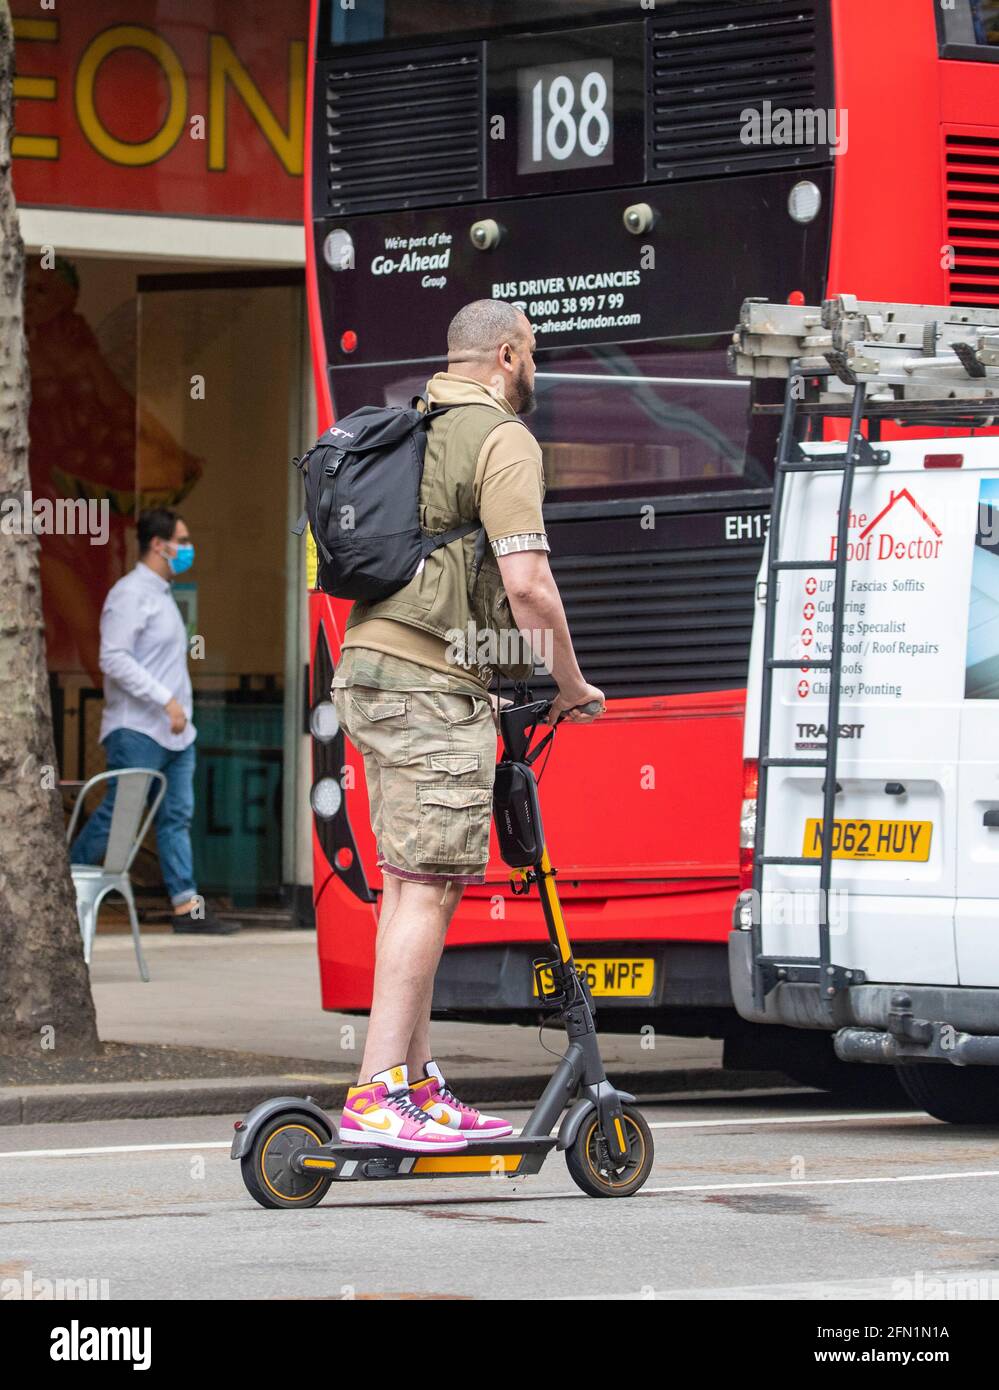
(627,173)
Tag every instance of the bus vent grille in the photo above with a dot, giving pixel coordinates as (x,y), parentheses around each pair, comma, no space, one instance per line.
(709,64)
(400,135)
(660,622)
(971,165)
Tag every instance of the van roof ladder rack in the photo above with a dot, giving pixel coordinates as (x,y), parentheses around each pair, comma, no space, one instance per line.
(920,363)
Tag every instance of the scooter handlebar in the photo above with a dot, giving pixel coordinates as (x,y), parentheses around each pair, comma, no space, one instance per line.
(590,707)
(518,723)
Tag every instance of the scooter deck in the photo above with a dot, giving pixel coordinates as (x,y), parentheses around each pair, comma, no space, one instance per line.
(508,1157)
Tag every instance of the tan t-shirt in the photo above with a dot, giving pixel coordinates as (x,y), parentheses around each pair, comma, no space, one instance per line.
(508,488)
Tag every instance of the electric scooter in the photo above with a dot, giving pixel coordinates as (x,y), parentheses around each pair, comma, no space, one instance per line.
(288,1149)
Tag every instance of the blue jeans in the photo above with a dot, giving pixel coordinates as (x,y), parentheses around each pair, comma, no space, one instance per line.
(127,748)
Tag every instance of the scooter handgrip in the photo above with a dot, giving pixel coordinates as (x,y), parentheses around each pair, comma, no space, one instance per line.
(591,707)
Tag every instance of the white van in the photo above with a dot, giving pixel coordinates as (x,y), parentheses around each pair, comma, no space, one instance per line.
(910,974)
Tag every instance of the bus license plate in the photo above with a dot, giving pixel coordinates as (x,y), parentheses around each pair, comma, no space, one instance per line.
(611,977)
(872,839)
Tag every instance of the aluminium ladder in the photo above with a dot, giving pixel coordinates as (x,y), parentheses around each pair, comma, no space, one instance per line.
(916,364)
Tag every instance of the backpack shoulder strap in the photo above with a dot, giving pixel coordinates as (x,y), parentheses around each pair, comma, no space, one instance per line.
(432,543)
(422,405)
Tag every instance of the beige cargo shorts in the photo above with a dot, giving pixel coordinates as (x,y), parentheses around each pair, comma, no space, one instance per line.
(429,760)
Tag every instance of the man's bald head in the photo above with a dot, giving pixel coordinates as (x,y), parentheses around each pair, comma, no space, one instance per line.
(493,343)
(477,330)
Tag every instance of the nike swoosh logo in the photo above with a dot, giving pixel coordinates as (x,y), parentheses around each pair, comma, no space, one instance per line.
(377,1124)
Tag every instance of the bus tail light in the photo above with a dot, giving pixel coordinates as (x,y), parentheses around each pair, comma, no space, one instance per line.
(323,723)
(326,798)
(747,822)
(943,460)
(804,202)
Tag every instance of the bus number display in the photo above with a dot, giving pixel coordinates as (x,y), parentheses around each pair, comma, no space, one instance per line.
(566,116)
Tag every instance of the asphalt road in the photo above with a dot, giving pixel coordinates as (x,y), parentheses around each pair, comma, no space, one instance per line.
(776,1196)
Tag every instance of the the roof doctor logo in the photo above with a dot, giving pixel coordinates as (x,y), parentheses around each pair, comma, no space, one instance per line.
(901,530)
(76,1343)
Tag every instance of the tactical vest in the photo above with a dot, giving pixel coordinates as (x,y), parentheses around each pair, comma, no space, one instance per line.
(459,583)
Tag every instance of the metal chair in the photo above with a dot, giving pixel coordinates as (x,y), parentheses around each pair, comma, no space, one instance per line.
(93,882)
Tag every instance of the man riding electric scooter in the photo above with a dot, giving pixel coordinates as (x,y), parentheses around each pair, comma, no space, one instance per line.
(415,703)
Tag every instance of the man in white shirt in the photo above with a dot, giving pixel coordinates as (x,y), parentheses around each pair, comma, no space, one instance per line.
(147,710)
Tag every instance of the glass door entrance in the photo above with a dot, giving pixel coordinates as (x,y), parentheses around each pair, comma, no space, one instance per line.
(218,394)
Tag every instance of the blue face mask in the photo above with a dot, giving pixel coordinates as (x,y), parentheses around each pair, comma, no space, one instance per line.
(183,560)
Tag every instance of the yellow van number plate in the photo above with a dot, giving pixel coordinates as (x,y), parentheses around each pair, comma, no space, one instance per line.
(872,839)
(611,977)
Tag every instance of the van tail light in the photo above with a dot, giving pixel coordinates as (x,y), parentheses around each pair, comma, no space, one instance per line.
(943,460)
(747,822)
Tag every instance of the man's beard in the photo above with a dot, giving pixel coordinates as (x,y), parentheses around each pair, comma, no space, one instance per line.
(524,400)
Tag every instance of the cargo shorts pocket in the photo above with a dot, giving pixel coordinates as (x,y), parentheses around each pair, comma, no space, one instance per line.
(454,824)
(455,707)
(457,764)
(380,725)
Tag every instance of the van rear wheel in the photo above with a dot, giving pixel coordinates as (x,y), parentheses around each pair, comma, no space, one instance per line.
(959,1095)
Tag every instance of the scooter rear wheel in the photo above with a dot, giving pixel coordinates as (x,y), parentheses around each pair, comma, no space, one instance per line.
(589,1163)
(266,1168)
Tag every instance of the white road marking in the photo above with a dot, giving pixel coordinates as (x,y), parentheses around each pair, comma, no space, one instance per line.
(572,1195)
(658,1124)
(780,1119)
(796,1119)
(530,1197)
(823,1182)
(113,1149)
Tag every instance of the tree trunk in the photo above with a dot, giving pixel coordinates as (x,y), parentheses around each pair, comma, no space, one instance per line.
(45,999)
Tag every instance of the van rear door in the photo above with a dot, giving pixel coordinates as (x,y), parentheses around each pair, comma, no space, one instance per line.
(911,533)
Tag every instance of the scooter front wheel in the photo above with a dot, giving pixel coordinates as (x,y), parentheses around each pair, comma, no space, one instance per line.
(591,1167)
(266,1167)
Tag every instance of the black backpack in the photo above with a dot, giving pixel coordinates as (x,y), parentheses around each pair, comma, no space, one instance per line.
(362,501)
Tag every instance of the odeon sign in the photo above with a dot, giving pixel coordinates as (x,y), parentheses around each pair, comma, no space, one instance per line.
(182,101)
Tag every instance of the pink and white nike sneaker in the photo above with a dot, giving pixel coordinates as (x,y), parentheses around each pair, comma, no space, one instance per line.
(381,1112)
(436,1099)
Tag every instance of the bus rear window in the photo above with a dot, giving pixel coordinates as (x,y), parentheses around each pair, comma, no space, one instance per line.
(969,29)
(985,14)
(372,21)
(619,420)
(634,418)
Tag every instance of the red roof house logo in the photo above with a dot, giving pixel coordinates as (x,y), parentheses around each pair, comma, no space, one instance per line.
(894,498)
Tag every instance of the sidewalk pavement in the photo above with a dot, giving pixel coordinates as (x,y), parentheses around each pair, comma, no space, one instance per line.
(258,993)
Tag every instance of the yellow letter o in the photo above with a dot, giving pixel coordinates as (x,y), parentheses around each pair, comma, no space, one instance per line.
(125,151)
